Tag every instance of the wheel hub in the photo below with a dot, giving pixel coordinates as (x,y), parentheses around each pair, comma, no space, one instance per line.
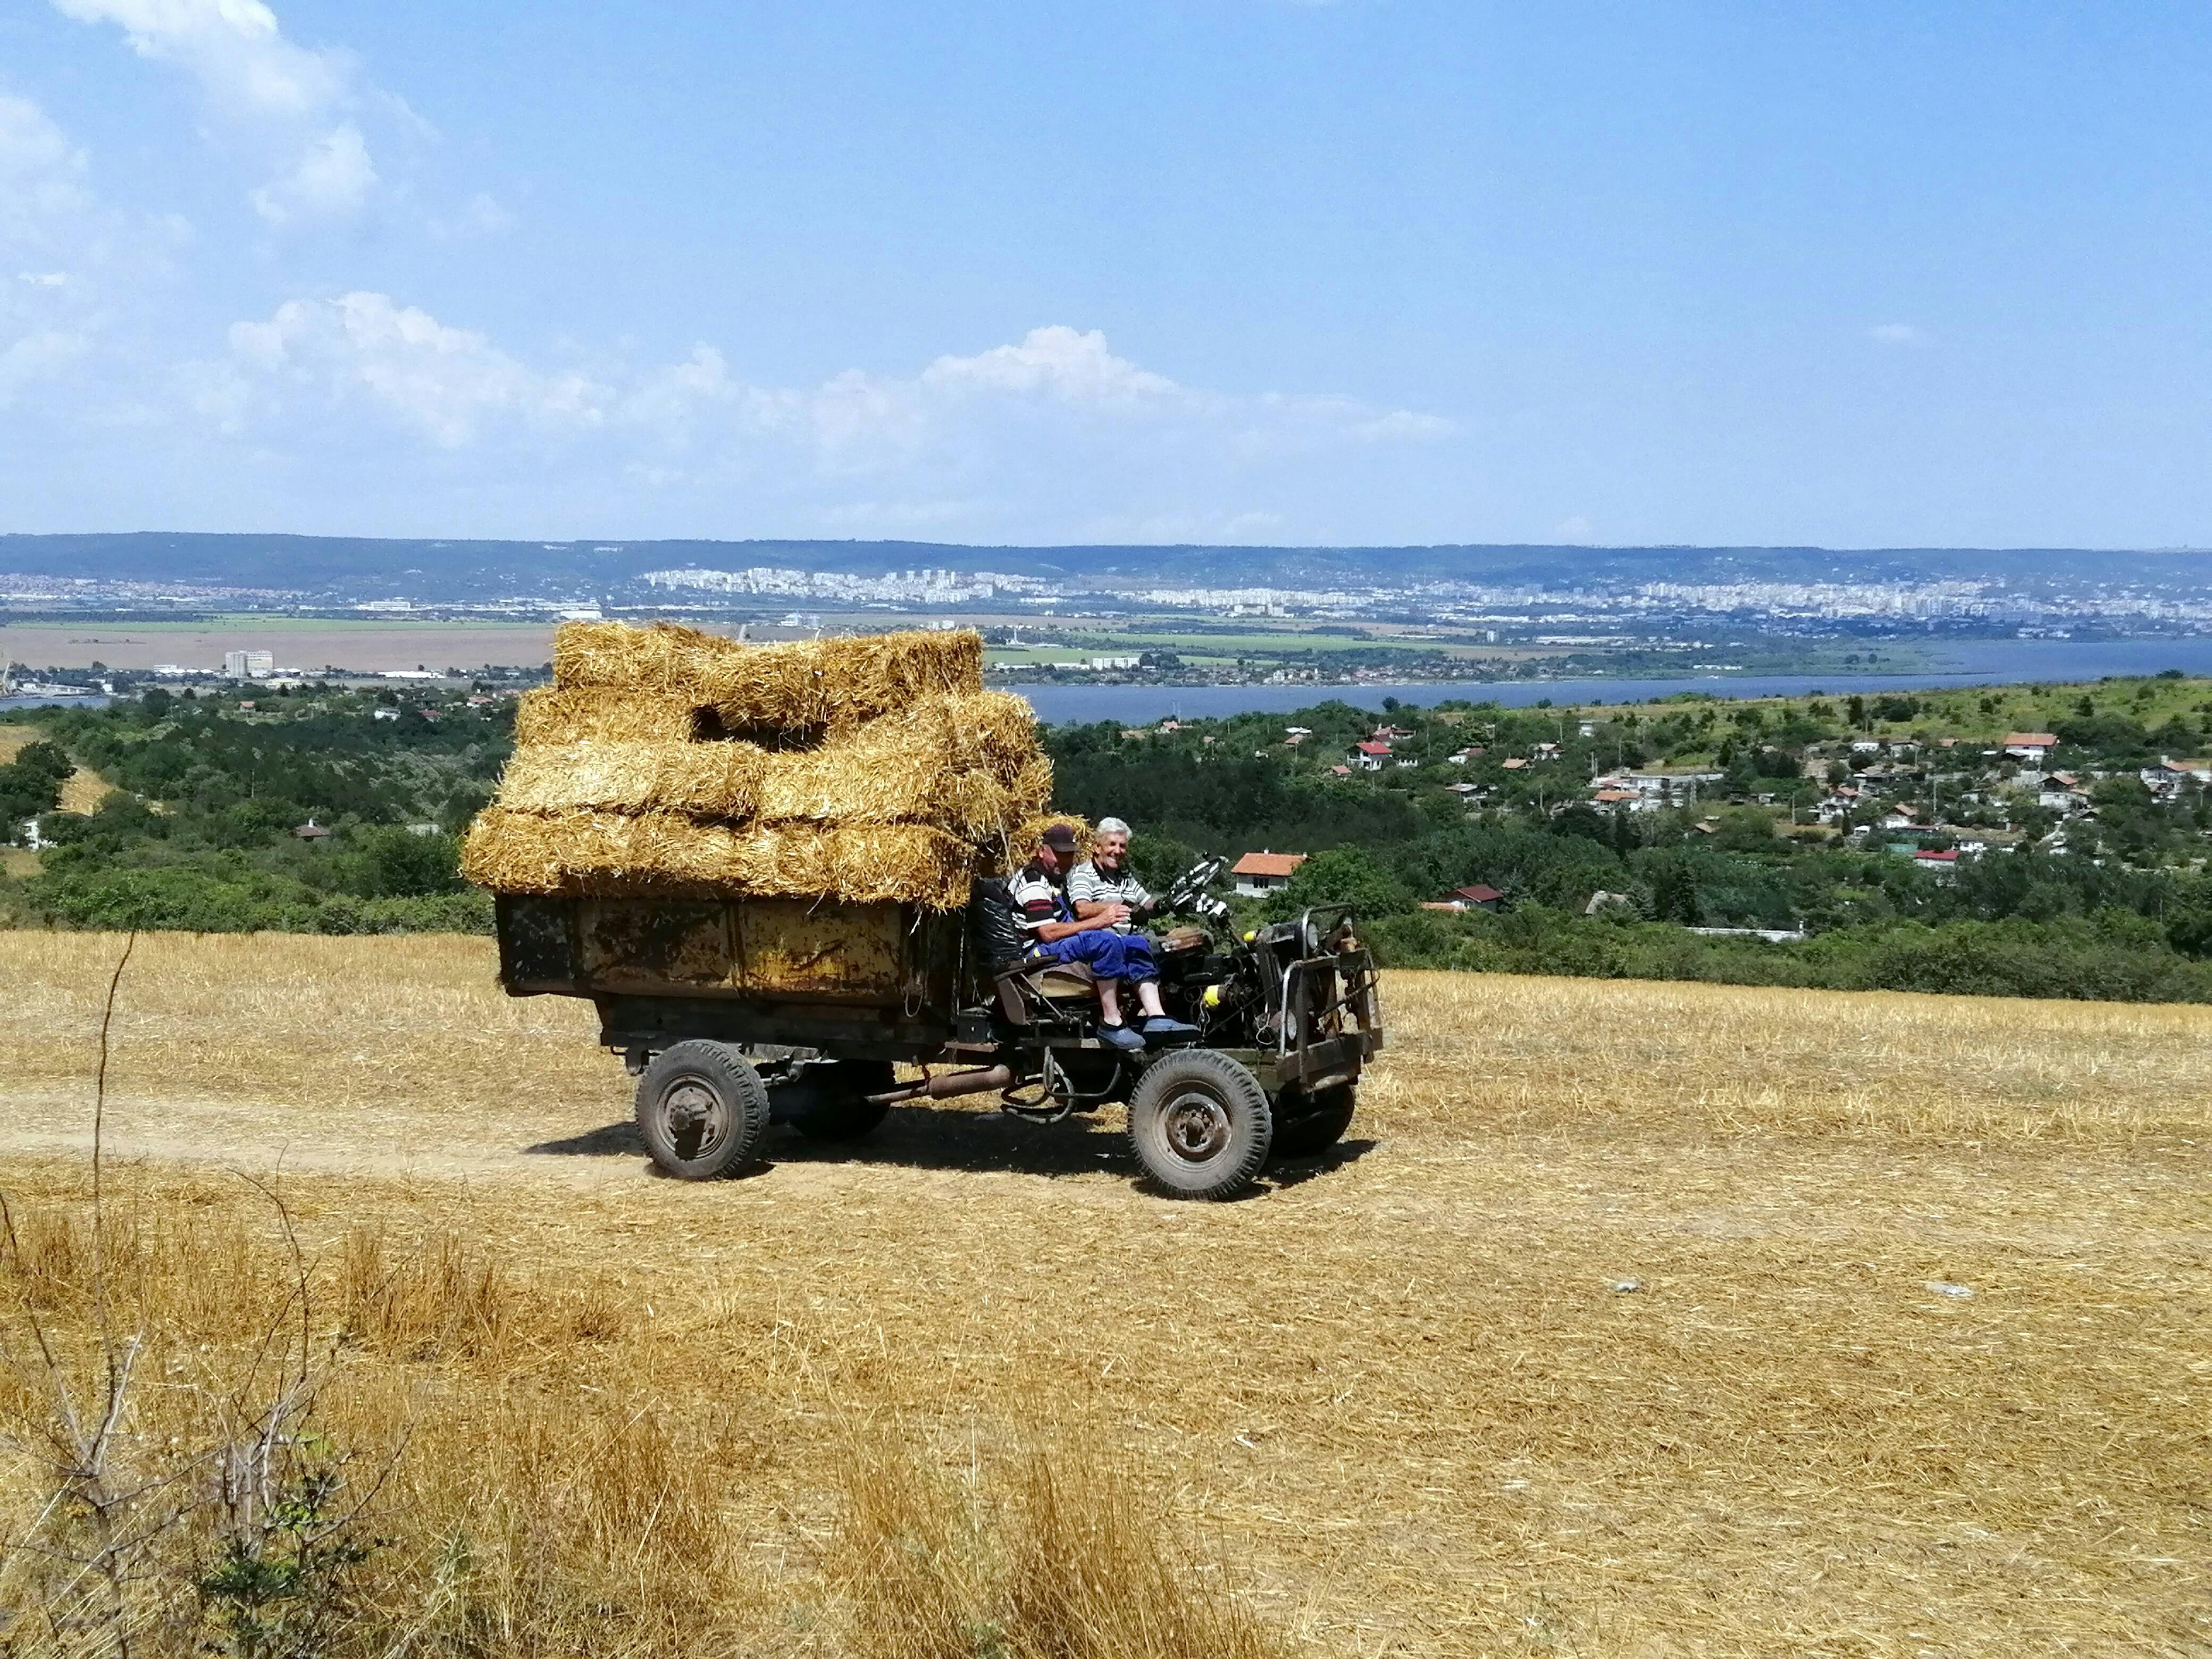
(1197,1126)
(696,1120)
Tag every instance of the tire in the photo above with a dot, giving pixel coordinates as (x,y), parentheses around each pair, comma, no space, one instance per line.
(1200,1124)
(1307,1126)
(832,1101)
(702,1110)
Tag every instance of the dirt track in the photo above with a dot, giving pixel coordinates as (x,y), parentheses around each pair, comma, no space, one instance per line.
(1400,1386)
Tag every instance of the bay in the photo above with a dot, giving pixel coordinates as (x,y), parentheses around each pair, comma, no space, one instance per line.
(1963,662)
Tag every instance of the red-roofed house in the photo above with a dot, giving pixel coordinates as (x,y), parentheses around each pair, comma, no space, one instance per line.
(1369,757)
(1942,864)
(1263,873)
(2030,745)
(1479,897)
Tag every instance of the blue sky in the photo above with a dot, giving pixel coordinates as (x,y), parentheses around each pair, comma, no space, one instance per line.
(1375,270)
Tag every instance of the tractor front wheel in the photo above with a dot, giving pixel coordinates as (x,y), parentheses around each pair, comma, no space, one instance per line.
(1200,1124)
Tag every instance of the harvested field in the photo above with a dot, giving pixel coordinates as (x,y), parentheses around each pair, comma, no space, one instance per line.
(1399,1403)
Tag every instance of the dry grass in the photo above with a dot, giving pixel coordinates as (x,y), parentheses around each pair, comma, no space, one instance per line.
(1393,1405)
(81,790)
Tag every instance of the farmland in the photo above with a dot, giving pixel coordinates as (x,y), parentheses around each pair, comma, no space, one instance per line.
(1629,1320)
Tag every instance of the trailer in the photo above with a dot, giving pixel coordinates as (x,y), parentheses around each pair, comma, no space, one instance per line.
(736,1014)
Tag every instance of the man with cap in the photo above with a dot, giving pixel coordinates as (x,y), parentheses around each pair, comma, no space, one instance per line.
(1043,911)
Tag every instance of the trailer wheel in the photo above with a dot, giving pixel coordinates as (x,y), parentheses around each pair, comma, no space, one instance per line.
(702,1110)
(1307,1125)
(835,1104)
(1200,1124)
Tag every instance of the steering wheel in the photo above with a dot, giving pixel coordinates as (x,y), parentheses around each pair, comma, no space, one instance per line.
(1191,884)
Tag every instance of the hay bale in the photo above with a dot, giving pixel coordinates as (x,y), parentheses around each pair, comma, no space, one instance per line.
(549,716)
(986,728)
(715,780)
(936,764)
(809,684)
(611,854)
(667,760)
(739,783)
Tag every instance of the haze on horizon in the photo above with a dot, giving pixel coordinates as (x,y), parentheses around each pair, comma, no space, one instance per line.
(1273,271)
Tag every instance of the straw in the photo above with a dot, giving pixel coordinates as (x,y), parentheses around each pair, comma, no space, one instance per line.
(833,682)
(609,854)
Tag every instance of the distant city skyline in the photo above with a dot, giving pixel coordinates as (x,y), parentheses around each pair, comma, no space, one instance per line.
(1215,271)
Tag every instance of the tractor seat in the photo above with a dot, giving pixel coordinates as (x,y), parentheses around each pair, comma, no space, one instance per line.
(1044,982)
(1058,979)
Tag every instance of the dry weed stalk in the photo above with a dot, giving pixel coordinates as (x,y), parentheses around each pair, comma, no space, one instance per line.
(91,1563)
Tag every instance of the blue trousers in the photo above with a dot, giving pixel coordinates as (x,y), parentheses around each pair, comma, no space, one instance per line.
(1107,954)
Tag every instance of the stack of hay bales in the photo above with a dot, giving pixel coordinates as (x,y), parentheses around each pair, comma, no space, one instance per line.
(667,760)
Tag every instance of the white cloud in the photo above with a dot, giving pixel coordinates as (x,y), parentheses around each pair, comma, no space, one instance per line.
(235,48)
(301,104)
(455,386)
(36,356)
(1076,368)
(448,384)
(1898,334)
(41,177)
(332,178)
(483,216)
(1054,428)
(80,269)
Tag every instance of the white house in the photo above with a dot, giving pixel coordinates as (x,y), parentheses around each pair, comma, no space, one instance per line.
(1369,757)
(2035,746)
(1257,874)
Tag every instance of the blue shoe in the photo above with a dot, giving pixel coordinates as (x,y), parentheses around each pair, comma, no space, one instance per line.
(1159,1025)
(1119,1036)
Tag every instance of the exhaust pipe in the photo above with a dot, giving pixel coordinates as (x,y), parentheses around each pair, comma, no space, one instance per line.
(949,1083)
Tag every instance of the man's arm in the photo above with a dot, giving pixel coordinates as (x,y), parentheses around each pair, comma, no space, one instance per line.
(1037,911)
(1093,900)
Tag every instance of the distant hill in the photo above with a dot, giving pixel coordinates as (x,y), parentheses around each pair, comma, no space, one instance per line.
(355,569)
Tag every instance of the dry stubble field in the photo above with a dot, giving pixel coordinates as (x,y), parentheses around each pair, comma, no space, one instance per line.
(1395,1404)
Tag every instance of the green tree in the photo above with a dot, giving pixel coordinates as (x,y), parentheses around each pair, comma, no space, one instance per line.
(1346,875)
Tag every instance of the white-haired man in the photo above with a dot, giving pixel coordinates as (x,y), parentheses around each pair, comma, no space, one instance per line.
(1102,882)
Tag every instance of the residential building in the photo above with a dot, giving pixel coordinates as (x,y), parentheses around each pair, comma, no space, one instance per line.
(1369,757)
(1477,897)
(2034,746)
(1259,873)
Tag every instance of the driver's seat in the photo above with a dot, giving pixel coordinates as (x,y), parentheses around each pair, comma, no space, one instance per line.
(1026,988)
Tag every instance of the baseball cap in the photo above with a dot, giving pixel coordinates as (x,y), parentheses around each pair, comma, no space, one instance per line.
(1059,837)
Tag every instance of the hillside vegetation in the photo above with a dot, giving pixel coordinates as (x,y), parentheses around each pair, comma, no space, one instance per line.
(1631,1319)
(1894,832)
